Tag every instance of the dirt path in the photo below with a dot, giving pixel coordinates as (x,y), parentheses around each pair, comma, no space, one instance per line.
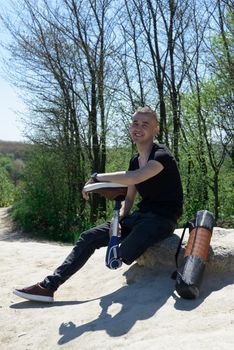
(97,309)
(5,223)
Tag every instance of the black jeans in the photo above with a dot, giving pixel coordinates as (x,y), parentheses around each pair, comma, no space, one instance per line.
(139,231)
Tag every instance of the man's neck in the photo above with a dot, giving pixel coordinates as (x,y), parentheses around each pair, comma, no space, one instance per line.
(144,149)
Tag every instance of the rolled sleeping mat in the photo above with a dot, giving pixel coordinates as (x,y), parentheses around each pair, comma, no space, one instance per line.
(189,277)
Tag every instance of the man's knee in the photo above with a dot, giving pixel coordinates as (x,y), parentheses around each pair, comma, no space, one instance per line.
(134,245)
(86,236)
(95,237)
(126,255)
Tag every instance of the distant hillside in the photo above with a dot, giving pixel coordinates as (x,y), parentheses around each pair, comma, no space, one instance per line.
(17,149)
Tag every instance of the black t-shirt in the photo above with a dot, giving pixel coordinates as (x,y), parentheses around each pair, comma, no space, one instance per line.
(163,192)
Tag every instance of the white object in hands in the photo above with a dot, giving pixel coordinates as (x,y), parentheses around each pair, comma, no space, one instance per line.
(100,185)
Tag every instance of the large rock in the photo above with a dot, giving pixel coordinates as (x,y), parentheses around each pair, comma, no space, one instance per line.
(221,254)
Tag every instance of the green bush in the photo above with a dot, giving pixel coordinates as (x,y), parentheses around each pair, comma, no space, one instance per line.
(7,189)
(41,206)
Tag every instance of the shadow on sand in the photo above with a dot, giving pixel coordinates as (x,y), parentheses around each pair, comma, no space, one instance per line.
(27,304)
(145,293)
(212,282)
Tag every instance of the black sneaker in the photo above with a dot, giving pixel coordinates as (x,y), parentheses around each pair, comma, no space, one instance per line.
(35,293)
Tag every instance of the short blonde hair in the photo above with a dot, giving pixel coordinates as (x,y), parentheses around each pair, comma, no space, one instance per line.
(146,110)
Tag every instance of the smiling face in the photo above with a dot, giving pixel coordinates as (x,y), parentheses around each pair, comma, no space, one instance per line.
(143,128)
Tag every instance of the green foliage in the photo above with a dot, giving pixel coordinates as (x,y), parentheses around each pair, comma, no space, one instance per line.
(7,189)
(42,205)
(118,158)
(226,193)
(196,199)
(204,159)
(7,185)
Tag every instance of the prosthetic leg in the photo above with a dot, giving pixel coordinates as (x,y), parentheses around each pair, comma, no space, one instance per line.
(189,277)
(116,193)
(113,260)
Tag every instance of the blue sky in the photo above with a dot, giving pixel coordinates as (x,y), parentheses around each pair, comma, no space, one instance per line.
(11,127)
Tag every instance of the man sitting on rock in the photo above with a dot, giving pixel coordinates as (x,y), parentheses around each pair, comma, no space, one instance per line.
(154,174)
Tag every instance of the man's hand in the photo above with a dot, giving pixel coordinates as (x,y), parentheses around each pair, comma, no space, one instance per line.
(85,195)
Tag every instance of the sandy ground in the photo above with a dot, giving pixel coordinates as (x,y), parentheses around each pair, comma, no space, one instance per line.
(130,308)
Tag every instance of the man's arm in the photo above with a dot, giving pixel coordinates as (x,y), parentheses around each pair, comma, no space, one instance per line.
(133,177)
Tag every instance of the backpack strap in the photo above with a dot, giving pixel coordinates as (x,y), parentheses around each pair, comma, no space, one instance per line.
(174,273)
(180,244)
